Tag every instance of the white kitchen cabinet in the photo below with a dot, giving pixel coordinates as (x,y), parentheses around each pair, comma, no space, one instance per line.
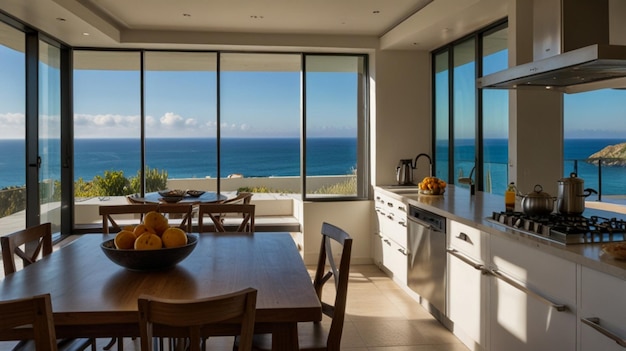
(467,284)
(533,299)
(602,313)
(389,242)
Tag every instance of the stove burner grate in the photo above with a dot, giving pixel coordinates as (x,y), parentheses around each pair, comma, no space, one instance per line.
(564,228)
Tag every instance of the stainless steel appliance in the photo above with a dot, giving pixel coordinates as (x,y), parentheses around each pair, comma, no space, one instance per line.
(404,172)
(564,229)
(426,241)
(576,47)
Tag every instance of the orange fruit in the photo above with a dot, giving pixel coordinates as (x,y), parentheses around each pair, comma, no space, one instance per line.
(156,221)
(174,237)
(125,239)
(142,228)
(130,228)
(148,241)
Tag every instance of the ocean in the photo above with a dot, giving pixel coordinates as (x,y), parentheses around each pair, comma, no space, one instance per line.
(189,158)
(196,158)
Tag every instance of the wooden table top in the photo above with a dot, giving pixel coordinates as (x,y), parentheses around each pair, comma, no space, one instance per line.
(207,196)
(88,289)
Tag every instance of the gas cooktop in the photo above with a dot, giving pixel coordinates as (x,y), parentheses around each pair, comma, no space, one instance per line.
(564,229)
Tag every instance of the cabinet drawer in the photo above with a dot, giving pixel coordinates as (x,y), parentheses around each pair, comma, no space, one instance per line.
(470,241)
(394,258)
(392,220)
(602,297)
(551,276)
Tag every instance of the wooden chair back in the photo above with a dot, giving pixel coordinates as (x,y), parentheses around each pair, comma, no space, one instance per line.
(197,315)
(241,198)
(109,211)
(341,273)
(35,311)
(317,336)
(220,213)
(41,235)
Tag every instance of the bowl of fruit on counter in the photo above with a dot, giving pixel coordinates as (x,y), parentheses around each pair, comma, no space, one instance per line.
(432,186)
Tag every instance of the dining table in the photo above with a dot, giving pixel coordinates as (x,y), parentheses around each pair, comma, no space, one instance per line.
(94,297)
(205,197)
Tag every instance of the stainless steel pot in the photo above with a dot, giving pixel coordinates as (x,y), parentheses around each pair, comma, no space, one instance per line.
(571,196)
(537,202)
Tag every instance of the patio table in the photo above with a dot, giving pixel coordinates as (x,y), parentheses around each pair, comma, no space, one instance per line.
(93,297)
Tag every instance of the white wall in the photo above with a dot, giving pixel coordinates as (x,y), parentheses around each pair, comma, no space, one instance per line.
(351,216)
(401,112)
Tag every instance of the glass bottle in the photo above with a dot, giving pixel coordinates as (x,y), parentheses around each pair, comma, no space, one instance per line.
(509,197)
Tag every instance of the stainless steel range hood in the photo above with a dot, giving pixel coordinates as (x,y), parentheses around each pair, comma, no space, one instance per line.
(572,50)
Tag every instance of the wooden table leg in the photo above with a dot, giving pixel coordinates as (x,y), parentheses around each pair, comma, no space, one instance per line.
(285,337)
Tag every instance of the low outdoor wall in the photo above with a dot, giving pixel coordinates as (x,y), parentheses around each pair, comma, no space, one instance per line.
(275,184)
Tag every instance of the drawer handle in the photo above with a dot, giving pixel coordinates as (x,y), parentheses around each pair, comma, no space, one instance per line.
(387,242)
(594,322)
(402,208)
(390,204)
(402,223)
(528,291)
(403,251)
(467,260)
(464,237)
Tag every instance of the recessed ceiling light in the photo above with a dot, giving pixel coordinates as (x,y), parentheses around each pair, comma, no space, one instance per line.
(60,19)
(186,15)
(256,17)
(86,34)
(376,12)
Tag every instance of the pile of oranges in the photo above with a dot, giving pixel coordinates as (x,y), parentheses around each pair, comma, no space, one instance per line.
(432,185)
(153,233)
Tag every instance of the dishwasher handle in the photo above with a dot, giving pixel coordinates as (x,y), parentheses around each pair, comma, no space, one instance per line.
(422,223)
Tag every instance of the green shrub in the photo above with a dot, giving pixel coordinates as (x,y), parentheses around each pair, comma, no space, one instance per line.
(112,184)
(155,180)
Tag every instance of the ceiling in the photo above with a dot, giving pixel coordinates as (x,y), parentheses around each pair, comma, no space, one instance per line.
(337,25)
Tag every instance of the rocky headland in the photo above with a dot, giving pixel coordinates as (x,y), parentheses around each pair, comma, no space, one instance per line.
(612,155)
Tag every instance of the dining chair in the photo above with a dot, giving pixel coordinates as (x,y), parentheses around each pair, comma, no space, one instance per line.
(108,212)
(241,198)
(226,217)
(35,311)
(28,245)
(316,336)
(194,316)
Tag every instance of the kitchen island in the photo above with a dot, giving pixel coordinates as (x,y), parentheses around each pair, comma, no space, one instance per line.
(508,289)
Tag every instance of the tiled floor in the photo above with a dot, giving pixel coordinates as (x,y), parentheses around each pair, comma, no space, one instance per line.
(380,317)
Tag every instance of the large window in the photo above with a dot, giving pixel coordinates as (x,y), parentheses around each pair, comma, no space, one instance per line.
(464,109)
(442,115)
(595,142)
(334,106)
(181,117)
(107,123)
(260,117)
(471,126)
(495,121)
(226,122)
(50,134)
(12,126)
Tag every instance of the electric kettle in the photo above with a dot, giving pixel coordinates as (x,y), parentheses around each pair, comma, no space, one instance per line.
(404,172)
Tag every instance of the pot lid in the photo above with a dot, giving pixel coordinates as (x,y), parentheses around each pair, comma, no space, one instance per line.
(538,193)
(573,178)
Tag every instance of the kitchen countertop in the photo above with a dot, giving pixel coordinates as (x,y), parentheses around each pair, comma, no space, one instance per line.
(457,204)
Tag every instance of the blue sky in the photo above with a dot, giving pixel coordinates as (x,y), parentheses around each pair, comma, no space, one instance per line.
(264,104)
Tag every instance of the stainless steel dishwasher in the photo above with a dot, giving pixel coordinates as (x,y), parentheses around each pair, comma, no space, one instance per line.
(426,241)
